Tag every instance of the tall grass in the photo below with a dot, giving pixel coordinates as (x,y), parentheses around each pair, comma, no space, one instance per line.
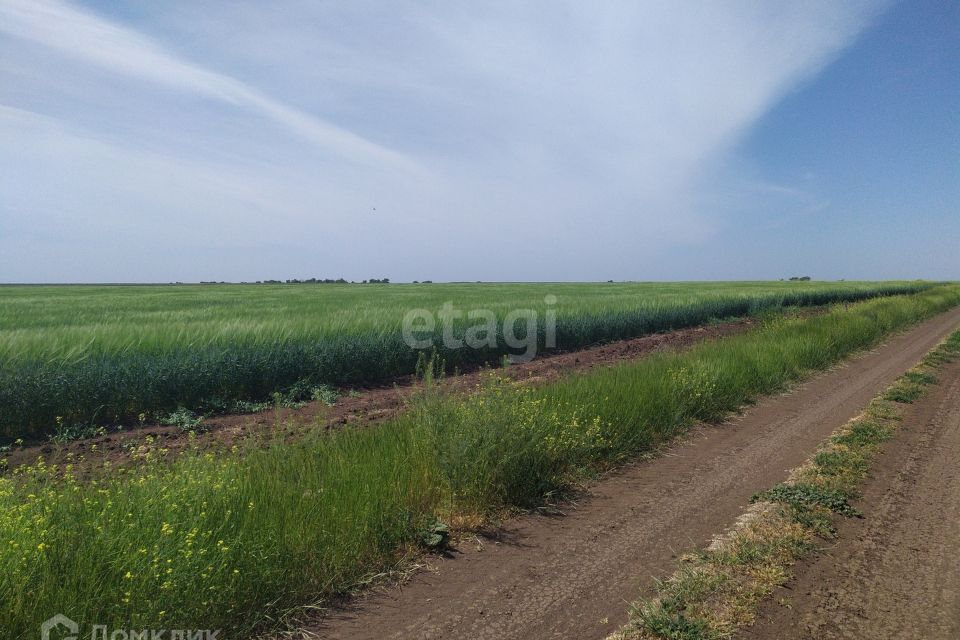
(106,354)
(234,541)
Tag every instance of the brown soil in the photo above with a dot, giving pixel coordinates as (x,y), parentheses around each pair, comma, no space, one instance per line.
(895,573)
(572,575)
(360,407)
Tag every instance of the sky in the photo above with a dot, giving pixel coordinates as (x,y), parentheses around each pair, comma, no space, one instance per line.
(448,140)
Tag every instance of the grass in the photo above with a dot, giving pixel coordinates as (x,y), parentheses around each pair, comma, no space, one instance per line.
(247,538)
(717,591)
(103,355)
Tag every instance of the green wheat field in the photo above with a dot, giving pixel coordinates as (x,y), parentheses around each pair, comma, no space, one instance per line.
(107,354)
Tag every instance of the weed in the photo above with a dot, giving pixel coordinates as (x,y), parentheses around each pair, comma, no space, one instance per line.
(838,463)
(864,433)
(884,410)
(805,496)
(183,419)
(300,391)
(294,397)
(69,433)
(904,392)
(326,395)
(430,366)
(910,385)
(920,377)
(435,535)
(675,625)
(245,406)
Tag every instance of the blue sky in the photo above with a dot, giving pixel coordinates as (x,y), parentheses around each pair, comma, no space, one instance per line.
(184,141)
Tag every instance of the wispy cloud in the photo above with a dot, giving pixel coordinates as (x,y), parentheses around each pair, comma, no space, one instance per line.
(545,140)
(82,34)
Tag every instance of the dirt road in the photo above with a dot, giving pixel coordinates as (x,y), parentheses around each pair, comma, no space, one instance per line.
(571,576)
(896,573)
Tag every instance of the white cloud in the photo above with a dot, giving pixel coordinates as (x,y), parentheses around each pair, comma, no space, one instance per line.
(81,34)
(550,140)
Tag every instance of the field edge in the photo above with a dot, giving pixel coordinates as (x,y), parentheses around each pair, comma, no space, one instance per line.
(718,590)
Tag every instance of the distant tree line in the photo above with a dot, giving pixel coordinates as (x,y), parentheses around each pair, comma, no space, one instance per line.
(324,281)
(307,281)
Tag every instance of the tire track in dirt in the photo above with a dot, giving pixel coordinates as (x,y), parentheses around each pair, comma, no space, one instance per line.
(572,576)
(896,573)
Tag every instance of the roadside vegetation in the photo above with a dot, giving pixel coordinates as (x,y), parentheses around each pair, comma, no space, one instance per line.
(243,539)
(718,590)
(76,357)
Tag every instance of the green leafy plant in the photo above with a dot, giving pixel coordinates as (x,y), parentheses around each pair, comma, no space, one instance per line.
(435,535)
(805,496)
(326,395)
(69,433)
(184,419)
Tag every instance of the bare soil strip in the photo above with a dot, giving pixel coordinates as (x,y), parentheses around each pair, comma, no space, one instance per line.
(896,573)
(370,405)
(572,575)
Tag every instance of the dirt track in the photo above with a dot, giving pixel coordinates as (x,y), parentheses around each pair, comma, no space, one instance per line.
(571,576)
(896,573)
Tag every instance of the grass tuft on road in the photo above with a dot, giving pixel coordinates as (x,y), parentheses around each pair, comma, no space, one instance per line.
(717,591)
